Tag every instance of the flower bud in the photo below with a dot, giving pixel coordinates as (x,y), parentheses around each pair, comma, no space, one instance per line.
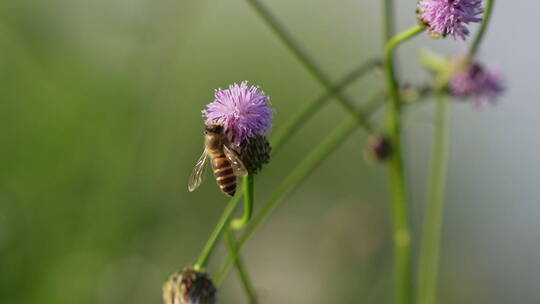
(378,148)
(255,152)
(484,84)
(189,287)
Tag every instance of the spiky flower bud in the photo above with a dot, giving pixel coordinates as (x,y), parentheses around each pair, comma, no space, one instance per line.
(189,287)
(255,152)
(378,148)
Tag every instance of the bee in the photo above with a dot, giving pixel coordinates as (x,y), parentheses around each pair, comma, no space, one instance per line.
(226,162)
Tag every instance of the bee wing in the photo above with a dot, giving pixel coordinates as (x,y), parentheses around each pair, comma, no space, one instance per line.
(237,164)
(197,176)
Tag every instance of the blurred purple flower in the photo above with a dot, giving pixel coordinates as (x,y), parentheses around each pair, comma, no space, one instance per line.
(477,81)
(243,110)
(447,17)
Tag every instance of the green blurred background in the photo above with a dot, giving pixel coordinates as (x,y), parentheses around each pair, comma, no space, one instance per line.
(100,126)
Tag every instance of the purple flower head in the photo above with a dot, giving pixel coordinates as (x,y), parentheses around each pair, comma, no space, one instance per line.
(448,17)
(243,110)
(477,81)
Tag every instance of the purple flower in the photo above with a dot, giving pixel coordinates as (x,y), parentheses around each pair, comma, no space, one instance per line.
(243,110)
(477,81)
(448,17)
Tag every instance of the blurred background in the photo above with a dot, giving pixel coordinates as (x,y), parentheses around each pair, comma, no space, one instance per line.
(100,126)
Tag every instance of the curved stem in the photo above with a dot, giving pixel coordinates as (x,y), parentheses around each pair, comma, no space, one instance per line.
(294,178)
(431,237)
(240,268)
(247,185)
(400,212)
(389,66)
(214,237)
(481,33)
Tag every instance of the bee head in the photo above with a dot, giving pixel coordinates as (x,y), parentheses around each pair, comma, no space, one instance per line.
(213,128)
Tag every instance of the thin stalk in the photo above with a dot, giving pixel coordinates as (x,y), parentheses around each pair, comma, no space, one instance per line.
(400,213)
(433,220)
(240,268)
(214,237)
(307,62)
(389,20)
(431,238)
(481,33)
(312,161)
(309,109)
(247,185)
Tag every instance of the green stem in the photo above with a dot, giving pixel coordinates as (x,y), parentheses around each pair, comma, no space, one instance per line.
(312,161)
(433,220)
(240,268)
(400,213)
(309,109)
(214,237)
(481,33)
(388,12)
(307,62)
(431,238)
(247,185)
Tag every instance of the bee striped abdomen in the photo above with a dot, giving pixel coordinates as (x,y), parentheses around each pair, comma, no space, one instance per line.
(224,173)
